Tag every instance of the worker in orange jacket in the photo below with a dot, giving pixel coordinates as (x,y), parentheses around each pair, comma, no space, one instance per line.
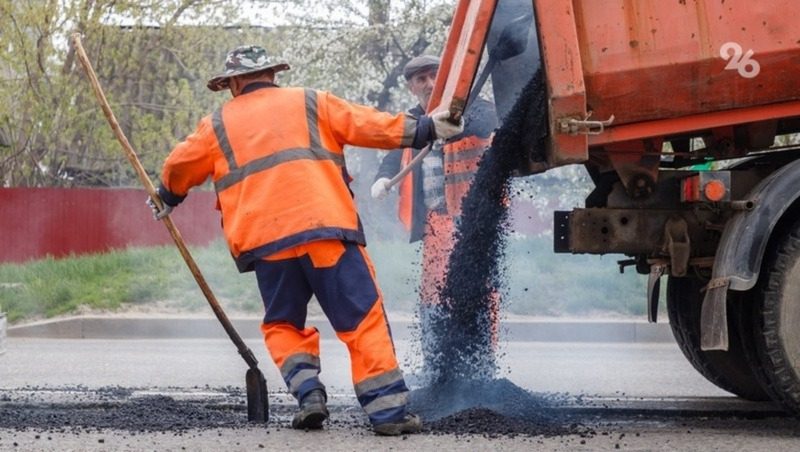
(430,196)
(275,156)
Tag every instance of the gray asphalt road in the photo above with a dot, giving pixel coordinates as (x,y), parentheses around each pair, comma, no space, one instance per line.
(634,397)
(598,369)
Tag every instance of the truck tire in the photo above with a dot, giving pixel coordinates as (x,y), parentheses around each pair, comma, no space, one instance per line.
(776,319)
(729,370)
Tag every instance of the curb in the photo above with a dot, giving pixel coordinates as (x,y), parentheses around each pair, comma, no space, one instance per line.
(3,328)
(89,327)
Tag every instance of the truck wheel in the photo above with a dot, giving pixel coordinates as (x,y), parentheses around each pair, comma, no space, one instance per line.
(777,317)
(730,369)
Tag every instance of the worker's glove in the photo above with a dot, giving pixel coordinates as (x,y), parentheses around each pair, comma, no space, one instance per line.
(158,214)
(444,127)
(380,188)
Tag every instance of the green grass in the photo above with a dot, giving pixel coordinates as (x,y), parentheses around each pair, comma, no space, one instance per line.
(541,282)
(108,281)
(538,282)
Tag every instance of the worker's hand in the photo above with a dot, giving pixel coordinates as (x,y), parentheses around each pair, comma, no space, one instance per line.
(380,188)
(444,127)
(158,214)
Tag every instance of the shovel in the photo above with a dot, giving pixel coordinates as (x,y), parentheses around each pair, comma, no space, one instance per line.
(512,42)
(257,400)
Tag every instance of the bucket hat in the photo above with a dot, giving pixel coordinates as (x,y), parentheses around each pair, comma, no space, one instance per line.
(243,60)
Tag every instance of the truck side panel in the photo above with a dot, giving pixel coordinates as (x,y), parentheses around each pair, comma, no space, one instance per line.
(649,60)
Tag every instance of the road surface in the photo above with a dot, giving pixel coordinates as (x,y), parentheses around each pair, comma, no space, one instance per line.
(72,394)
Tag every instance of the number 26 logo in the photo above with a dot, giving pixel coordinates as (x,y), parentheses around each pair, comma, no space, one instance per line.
(740,61)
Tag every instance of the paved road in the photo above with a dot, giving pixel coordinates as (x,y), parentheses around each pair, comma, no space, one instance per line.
(626,395)
(599,369)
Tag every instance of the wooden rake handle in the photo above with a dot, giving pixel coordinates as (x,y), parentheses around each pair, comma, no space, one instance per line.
(246,353)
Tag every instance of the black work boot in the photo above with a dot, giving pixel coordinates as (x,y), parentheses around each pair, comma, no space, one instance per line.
(410,423)
(313,411)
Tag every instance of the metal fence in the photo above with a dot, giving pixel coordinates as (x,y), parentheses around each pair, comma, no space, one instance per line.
(58,222)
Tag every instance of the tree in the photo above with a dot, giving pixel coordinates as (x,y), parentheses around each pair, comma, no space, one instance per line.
(154,57)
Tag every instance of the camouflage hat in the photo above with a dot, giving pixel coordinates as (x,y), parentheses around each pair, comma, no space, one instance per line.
(243,60)
(419,63)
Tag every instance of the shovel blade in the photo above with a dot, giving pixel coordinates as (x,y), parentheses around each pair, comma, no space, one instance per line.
(257,399)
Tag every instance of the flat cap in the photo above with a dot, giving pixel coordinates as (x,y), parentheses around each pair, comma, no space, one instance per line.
(419,63)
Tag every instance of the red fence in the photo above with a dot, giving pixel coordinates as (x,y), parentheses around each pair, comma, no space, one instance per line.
(36,222)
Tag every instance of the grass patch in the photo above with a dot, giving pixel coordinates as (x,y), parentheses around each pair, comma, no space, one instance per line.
(109,281)
(541,282)
(538,282)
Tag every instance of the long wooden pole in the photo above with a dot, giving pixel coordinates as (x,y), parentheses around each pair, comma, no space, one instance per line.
(246,353)
(406,169)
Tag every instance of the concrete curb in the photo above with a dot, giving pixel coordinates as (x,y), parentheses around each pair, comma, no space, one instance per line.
(3,327)
(91,327)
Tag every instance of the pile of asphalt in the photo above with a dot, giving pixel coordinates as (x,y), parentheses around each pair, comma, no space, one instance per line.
(463,394)
(494,407)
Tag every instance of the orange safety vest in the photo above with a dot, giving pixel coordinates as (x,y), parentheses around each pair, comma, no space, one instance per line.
(276,158)
(405,206)
(461,160)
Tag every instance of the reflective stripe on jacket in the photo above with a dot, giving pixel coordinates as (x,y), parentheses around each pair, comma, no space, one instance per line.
(276,158)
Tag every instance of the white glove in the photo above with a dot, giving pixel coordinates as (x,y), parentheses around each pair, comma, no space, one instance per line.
(380,188)
(158,214)
(442,126)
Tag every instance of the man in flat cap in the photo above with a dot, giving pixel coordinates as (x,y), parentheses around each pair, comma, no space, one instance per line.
(430,195)
(275,157)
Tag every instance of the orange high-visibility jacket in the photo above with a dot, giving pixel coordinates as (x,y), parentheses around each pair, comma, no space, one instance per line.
(276,158)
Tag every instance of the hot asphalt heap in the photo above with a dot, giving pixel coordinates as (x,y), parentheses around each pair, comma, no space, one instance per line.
(460,338)
(463,394)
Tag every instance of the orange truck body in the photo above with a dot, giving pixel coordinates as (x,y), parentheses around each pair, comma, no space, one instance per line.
(648,68)
(665,67)
(682,113)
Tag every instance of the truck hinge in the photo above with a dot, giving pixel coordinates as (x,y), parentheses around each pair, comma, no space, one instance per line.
(677,245)
(584,126)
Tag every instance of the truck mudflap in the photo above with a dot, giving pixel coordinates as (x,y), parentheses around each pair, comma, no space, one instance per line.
(741,249)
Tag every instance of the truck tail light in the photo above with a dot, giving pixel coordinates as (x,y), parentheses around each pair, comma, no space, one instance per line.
(707,186)
(691,189)
(715,190)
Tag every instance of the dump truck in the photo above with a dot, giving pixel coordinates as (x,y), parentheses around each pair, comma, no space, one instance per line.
(684,113)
